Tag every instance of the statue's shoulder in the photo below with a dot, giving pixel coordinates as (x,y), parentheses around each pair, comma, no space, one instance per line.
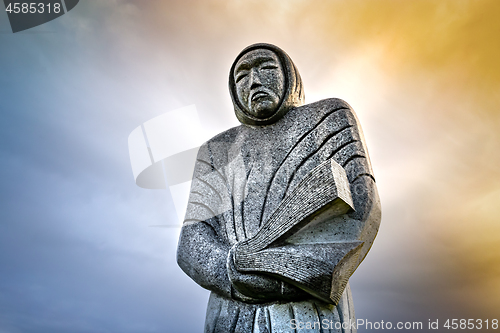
(329,104)
(227,136)
(216,149)
(317,111)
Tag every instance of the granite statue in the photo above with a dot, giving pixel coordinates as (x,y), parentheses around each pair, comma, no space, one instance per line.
(282,208)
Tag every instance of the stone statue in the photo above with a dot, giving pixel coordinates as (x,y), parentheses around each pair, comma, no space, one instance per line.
(282,209)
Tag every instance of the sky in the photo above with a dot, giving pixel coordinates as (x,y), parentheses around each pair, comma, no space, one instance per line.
(77,250)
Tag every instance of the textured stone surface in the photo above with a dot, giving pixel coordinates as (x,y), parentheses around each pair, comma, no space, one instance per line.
(251,185)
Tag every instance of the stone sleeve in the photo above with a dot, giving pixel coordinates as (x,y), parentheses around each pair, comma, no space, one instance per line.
(202,252)
(363,188)
(367,204)
(202,256)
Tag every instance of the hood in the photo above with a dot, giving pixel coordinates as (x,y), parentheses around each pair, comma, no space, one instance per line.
(294,93)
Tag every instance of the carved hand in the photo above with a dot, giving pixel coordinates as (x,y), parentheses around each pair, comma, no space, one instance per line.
(257,288)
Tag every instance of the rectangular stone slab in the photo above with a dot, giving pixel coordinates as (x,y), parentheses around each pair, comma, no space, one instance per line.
(322,194)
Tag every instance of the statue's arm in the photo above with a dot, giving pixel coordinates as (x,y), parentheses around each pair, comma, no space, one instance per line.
(205,256)
(202,253)
(202,256)
(356,162)
(367,212)
(363,223)
(208,261)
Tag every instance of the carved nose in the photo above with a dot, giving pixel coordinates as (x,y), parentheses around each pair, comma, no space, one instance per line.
(254,80)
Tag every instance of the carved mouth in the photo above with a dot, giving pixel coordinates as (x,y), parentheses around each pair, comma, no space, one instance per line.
(258,95)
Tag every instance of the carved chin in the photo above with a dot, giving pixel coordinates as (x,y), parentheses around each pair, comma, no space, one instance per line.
(263,109)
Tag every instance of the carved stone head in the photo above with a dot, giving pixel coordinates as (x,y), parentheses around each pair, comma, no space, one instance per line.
(264,85)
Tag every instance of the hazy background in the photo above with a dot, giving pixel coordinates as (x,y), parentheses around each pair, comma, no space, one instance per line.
(77,253)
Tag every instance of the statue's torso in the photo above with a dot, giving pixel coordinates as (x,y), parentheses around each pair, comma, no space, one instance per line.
(260,165)
(242,176)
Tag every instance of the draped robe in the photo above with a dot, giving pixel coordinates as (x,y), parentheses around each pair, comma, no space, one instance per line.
(240,177)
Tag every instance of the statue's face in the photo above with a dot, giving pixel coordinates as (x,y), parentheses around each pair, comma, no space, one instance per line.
(260,82)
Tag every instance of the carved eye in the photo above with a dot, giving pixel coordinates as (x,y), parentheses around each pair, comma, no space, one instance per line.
(240,76)
(269,67)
